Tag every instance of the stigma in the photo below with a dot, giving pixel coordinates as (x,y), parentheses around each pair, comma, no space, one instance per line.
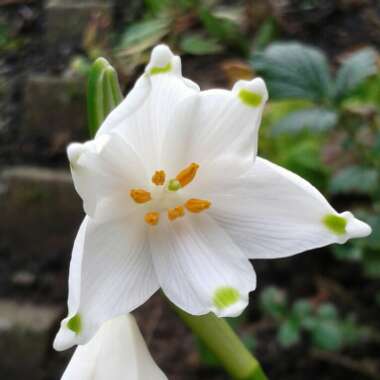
(165,196)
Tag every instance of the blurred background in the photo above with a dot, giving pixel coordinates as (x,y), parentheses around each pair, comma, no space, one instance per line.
(314,315)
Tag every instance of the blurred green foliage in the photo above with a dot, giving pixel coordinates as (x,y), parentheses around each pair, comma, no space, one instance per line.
(266,33)
(321,323)
(325,126)
(189,26)
(8,42)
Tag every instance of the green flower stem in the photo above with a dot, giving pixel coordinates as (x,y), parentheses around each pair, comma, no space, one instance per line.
(222,341)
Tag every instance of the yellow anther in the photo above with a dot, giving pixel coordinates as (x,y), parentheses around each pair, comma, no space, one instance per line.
(186,175)
(152,218)
(159,178)
(140,195)
(176,212)
(197,205)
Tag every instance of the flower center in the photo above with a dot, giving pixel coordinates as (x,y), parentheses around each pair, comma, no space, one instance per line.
(165,198)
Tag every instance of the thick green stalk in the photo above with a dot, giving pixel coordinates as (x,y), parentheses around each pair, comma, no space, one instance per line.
(222,341)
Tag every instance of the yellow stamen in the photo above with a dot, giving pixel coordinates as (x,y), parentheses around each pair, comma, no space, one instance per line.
(186,175)
(197,205)
(140,195)
(159,178)
(176,212)
(152,218)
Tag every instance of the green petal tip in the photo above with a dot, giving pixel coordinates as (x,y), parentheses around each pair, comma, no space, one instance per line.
(75,324)
(225,297)
(335,223)
(160,70)
(250,98)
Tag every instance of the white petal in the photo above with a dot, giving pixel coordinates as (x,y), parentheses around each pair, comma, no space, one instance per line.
(215,175)
(116,352)
(132,102)
(355,228)
(216,123)
(116,275)
(65,336)
(199,268)
(273,213)
(145,127)
(105,167)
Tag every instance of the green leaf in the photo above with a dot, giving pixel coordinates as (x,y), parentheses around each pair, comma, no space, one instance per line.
(103,93)
(358,67)
(327,311)
(301,309)
(327,335)
(301,153)
(267,32)
(349,252)
(198,45)
(273,302)
(144,34)
(355,179)
(156,6)
(312,119)
(351,332)
(289,333)
(309,322)
(368,92)
(4,34)
(293,70)
(224,30)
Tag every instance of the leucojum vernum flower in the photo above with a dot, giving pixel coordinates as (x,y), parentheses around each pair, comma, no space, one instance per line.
(176,198)
(116,352)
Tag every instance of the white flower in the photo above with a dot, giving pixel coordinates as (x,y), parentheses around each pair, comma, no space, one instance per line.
(175,199)
(116,352)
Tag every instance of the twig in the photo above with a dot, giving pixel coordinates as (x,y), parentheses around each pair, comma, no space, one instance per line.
(366,367)
(333,287)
